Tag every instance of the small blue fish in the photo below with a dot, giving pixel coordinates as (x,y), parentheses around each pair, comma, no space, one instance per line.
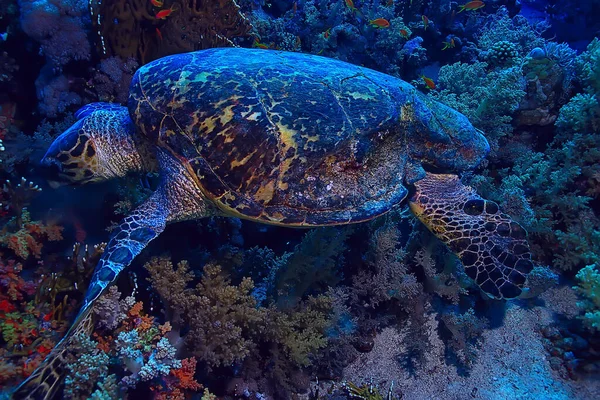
(4,36)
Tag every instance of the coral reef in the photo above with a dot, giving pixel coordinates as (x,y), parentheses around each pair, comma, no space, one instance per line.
(267,312)
(225,326)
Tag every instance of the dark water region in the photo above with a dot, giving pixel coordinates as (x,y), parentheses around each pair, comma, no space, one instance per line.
(311,199)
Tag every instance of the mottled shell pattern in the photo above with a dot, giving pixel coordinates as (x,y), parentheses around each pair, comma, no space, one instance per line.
(282,138)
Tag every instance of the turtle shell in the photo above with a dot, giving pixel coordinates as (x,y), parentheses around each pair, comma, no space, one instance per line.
(283,138)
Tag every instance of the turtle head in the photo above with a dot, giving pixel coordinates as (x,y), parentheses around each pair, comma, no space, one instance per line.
(100,145)
(445,139)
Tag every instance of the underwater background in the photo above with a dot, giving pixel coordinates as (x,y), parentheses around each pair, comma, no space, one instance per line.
(231,309)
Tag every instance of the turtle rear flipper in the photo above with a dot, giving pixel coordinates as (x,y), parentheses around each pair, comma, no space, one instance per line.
(492,247)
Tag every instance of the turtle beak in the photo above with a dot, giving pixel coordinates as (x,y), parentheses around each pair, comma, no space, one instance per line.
(50,169)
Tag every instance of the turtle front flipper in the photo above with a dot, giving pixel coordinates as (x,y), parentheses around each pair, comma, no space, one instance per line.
(492,247)
(177,198)
(134,233)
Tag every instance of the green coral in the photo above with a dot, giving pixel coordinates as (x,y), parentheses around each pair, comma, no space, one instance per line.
(488,99)
(301,332)
(503,52)
(517,30)
(580,114)
(86,367)
(224,322)
(588,67)
(589,289)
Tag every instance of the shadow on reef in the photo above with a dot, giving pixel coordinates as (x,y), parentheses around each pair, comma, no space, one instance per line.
(266,312)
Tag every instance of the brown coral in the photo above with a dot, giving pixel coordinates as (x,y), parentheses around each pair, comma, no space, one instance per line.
(193,25)
(225,324)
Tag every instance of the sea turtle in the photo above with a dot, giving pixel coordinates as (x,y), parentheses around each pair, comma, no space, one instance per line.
(286,139)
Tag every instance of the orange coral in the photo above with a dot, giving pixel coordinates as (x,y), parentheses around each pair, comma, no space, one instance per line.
(141,322)
(104,342)
(178,381)
(29,238)
(186,373)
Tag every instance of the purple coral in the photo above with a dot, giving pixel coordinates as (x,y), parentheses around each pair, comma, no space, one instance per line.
(59,27)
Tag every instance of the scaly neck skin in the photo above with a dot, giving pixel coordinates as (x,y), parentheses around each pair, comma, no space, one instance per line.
(121,149)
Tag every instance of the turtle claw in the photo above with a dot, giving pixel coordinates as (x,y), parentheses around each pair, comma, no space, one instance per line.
(492,247)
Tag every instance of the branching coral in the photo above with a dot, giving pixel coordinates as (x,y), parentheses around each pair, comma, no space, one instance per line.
(312,266)
(226,326)
(589,288)
(220,334)
(29,238)
(588,67)
(465,335)
(301,332)
(516,30)
(488,99)
(86,366)
(388,275)
(29,328)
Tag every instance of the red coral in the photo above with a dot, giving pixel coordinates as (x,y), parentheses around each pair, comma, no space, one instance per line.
(178,381)
(6,306)
(14,287)
(186,373)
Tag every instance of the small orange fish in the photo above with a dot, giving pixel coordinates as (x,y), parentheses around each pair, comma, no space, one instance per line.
(380,23)
(259,45)
(157,3)
(472,5)
(294,8)
(350,5)
(449,45)
(159,34)
(389,3)
(163,14)
(428,82)
(425,21)
(327,33)
(404,33)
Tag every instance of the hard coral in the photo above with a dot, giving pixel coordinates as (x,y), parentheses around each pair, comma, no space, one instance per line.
(503,52)
(193,25)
